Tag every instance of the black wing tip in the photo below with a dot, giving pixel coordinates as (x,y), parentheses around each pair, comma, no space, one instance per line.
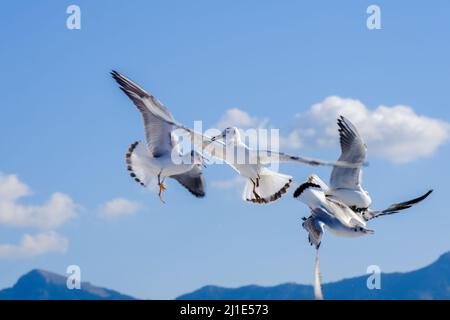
(425,195)
(116,74)
(303,187)
(421,198)
(199,195)
(120,79)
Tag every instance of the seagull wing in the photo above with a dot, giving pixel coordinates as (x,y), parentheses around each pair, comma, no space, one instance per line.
(157,131)
(353,150)
(202,142)
(344,214)
(268,156)
(371,214)
(193,181)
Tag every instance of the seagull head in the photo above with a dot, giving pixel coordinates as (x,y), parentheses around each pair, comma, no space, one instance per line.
(230,134)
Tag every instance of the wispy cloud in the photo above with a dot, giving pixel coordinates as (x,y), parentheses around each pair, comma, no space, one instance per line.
(119,207)
(35,245)
(53,213)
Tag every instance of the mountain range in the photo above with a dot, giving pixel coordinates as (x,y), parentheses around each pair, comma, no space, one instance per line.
(430,282)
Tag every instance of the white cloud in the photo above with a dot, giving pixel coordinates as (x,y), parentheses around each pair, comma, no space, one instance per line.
(57,210)
(395,133)
(119,207)
(238,118)
(35,245)
(11,188)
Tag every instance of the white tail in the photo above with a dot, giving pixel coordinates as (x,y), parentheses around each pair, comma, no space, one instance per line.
(268,187)
(137,163)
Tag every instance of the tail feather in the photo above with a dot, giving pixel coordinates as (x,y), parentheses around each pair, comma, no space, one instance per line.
(137,165)
(268,187)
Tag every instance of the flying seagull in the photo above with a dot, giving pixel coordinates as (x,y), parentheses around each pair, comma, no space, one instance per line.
(263,185)
(161,156)
(337,217)
(345,207)
(328,213)
(346,183)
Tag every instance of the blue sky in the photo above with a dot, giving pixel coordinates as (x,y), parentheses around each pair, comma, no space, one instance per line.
(65,127)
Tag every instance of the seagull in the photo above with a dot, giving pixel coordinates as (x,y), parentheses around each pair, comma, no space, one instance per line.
(346,183)
(337,217)
(328,213)
(344,208)
(161,156)
(262,184)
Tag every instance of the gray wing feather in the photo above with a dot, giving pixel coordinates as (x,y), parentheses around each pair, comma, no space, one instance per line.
(157,131)
(353,150)
(268,156)
(193,181)
(394,208)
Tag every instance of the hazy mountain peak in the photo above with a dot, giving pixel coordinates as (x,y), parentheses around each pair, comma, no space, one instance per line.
(40,284)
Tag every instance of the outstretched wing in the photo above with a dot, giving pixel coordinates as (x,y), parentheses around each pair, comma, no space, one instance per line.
(193,181)
(353,150)
(157,131)
(202,142)
(268,156)
(371,214)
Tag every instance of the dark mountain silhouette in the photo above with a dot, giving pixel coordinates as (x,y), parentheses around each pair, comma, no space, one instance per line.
(430,282)
(44,285)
